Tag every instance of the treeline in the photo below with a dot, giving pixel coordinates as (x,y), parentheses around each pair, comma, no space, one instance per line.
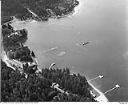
(13,38)
(29,85)
(13,43)
(67,81)
(16,87)
(43,8)
(37,88)
(12,8)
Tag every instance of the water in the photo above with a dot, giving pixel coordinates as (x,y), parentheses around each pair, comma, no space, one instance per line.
(101,22)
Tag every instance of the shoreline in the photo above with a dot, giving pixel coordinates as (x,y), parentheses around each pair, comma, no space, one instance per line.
(40,11)
(101,97)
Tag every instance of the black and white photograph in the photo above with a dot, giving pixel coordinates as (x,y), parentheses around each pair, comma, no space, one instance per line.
(64,51)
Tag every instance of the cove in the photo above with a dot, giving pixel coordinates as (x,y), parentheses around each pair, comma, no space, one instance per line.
(103,24)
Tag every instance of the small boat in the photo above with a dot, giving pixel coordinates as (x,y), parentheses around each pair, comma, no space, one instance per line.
(85,43)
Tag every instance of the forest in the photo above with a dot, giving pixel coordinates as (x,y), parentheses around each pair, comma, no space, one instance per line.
(43,8)
(16,88)
(13,43)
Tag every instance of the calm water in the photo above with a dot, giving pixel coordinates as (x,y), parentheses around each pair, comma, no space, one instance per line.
(104,24)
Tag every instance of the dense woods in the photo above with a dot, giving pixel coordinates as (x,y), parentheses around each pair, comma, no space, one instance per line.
(12,38)
(17,88)
(43,8)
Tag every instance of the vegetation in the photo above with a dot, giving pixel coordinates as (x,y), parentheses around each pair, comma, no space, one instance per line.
(36,87)
(13,43)
(16,88)
(43,8)
(12,37)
